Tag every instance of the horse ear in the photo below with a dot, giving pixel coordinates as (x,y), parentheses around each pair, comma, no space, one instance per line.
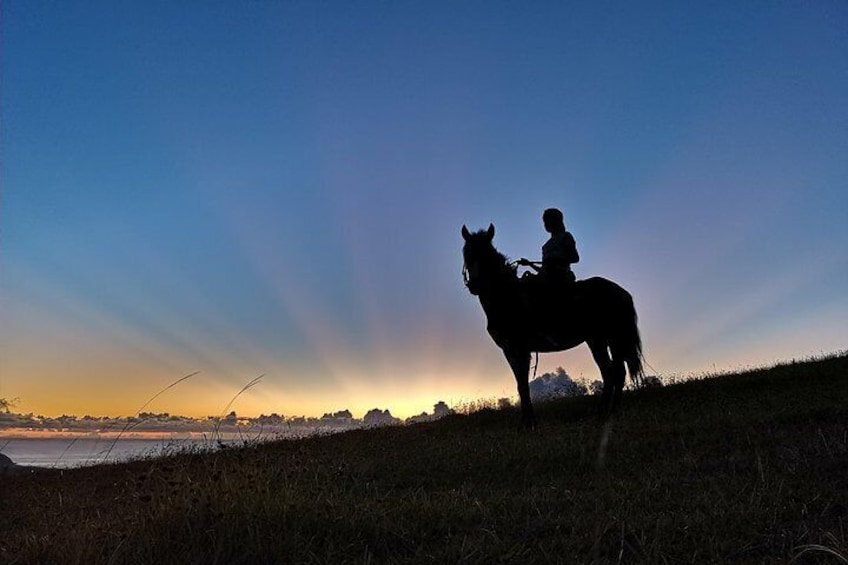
(491,231)
(465,234)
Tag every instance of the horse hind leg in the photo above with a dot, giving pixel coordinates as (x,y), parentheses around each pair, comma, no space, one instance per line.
(618,372)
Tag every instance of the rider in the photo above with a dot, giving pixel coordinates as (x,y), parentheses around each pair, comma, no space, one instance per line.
(558,253)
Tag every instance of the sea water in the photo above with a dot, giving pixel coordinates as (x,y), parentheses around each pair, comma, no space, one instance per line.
(75,452)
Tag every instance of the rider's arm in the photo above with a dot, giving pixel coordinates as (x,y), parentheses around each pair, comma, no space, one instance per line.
(527,263)
(571,254)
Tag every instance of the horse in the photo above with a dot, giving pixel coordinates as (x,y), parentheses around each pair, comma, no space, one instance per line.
(525,315)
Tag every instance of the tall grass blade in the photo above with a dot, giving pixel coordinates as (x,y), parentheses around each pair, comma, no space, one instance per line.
(130,425)
(249,385)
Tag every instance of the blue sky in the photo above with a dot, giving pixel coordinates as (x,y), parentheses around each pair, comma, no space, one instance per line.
(245,188)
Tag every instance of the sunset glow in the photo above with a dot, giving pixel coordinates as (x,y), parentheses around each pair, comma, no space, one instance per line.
(277,189)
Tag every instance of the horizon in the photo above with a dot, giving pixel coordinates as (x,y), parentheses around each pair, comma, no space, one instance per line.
(278,189)
(666,380)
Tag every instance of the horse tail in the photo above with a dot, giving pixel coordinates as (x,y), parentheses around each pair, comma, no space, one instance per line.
(631,341)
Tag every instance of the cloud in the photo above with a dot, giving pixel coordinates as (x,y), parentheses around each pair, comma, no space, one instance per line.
(377,417)
(555,385)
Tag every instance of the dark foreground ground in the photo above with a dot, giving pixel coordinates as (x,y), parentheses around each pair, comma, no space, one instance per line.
(749,468)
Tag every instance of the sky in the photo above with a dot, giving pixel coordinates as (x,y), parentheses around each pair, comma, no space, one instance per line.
(277,188)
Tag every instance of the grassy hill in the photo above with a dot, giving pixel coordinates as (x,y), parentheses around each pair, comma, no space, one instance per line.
(748,468)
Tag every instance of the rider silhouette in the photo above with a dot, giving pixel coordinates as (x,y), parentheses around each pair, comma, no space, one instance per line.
(558,253)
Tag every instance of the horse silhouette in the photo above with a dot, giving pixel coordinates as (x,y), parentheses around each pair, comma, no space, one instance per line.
(526,316)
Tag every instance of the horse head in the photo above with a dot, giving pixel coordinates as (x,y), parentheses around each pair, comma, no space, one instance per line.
(477,255)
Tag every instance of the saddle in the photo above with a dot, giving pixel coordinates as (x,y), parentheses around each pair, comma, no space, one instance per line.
(557,293)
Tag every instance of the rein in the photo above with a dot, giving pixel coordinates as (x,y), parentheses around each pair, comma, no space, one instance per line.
(514,265)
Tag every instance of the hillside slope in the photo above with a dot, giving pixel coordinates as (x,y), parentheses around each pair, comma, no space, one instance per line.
(747,468)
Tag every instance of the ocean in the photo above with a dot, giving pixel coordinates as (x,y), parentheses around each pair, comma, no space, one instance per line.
(76,452)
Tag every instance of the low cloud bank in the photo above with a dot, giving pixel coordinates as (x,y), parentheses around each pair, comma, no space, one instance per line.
(557,384)
(147,423)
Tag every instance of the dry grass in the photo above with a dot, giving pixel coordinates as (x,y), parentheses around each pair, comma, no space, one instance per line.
(743,468)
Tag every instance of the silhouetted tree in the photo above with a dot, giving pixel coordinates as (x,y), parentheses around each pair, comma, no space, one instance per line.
(7,403)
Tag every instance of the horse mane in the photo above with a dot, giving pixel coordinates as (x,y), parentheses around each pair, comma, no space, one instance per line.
(507,264)
(504,264)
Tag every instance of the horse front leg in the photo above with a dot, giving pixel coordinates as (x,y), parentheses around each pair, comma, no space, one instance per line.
(519,362)
(601,355)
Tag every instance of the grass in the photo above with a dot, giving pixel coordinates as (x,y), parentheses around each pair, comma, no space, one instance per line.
(748,468)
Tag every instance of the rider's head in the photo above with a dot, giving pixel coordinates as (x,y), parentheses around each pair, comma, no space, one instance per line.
(553,221)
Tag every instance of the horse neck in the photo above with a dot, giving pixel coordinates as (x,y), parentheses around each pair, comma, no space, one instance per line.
(502,292)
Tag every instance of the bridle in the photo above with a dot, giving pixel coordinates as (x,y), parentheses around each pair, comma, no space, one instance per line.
(466,278)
